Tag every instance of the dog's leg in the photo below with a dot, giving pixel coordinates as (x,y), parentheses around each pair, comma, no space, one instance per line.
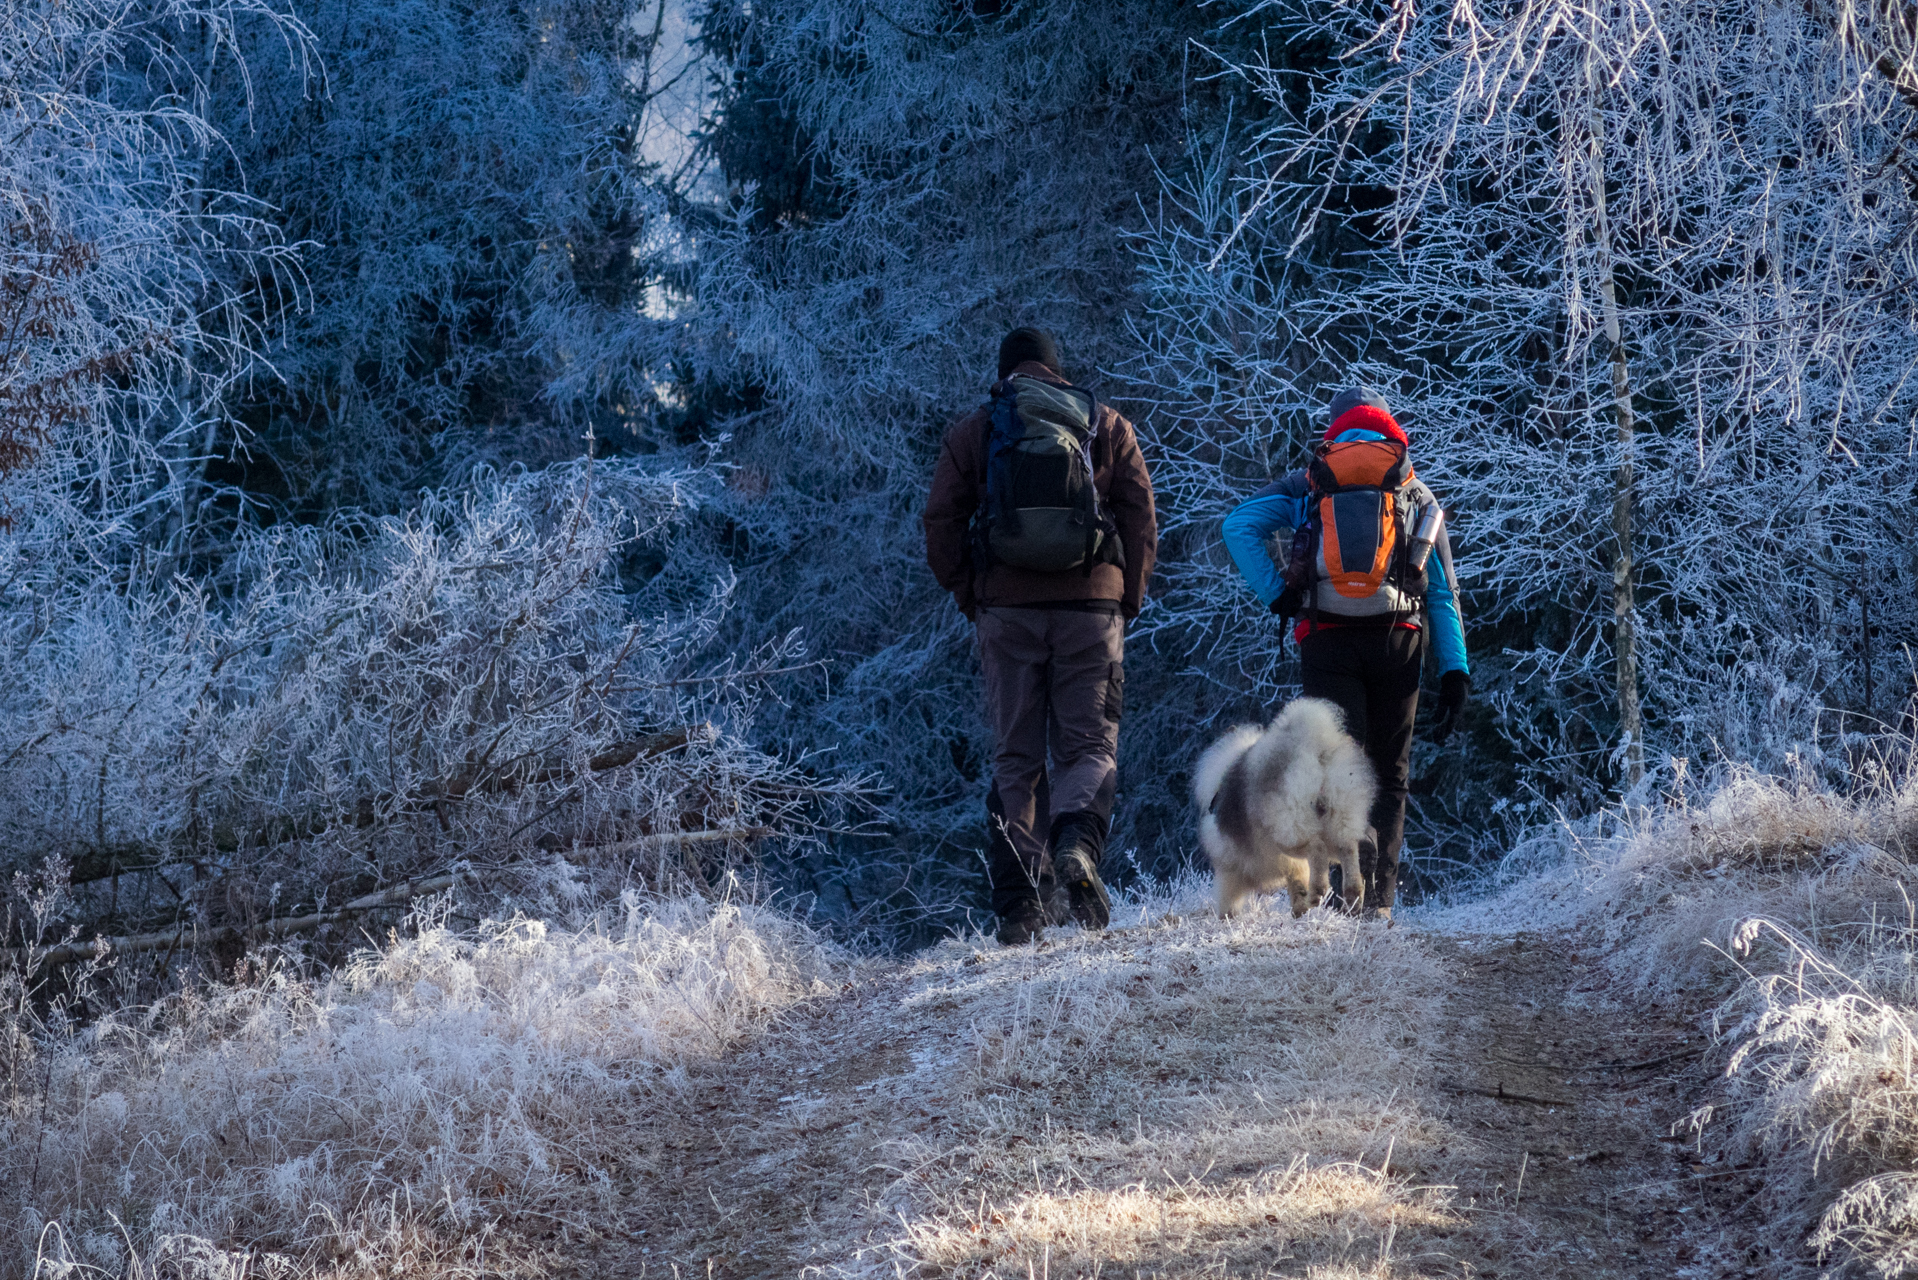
(1354,894)
(1233,892)
(1321,879)
(1295,872)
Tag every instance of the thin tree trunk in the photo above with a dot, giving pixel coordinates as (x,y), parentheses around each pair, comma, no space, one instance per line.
(1864,625)
(1625,629)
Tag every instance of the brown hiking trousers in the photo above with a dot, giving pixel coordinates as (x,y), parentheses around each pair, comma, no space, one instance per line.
(1055,688)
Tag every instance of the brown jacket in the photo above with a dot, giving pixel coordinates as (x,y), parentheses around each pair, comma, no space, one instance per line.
(959,487)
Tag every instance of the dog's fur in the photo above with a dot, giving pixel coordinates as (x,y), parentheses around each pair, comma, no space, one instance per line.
(1285,802)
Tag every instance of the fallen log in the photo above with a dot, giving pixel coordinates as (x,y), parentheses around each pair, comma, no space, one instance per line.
(92,866)
(663,840)
(195,936)
(66,953)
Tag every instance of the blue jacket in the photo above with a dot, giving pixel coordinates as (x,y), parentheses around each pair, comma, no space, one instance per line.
(1280,507)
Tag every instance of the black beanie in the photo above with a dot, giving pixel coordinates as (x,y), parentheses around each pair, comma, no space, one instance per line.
(1022,345)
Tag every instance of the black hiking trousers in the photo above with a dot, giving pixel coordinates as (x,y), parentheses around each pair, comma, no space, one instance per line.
(1372,673)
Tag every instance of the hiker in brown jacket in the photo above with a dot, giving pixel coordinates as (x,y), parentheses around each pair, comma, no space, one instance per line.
(1051,639)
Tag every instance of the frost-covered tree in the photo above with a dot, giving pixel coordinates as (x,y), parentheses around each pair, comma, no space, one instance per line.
(1641,275)
(127,307)
(210,720)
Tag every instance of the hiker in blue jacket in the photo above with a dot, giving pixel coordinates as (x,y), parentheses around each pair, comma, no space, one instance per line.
(1354,546)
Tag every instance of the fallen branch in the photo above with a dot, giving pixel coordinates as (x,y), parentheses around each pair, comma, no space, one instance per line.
(193,935)
(1652,1062)
(1502,1095)
(93,866)
(284,926)
(616,756)
(665,839)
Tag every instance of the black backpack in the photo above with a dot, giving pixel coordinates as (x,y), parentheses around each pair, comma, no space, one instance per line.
(1041,510)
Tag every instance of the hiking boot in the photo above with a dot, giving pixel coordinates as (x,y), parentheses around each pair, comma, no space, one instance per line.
(1091,905)
(1028,924)
(1057,900)
(1077,840)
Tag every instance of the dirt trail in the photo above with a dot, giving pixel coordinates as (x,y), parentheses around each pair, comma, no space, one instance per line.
(1578,1097)
(1184,1098)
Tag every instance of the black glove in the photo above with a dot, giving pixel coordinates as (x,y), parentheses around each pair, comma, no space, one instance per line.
(1290,604)
(1453,688)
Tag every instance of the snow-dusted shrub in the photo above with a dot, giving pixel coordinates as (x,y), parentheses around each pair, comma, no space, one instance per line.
(512,665)
(1760,823)
(433,1093)
(1666,885)
(1824,1083)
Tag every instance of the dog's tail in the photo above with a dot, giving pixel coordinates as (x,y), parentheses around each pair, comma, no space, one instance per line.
(1218,758)
(1318,723)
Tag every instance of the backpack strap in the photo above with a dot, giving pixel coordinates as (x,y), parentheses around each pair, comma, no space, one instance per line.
(1002,437)
(1401,533)
(997,407)
(1098,441)
(1312,499)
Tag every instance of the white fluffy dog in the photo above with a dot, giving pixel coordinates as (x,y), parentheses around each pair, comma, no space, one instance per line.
(1284,801)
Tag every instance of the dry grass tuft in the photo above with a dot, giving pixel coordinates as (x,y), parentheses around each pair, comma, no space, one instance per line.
(1757,823)
(1824,1084)
(440,1092)
(1667,886)
(1133,1225)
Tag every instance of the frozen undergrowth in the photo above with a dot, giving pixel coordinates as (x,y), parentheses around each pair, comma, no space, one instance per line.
(440,1095)
(1658,881)
(1824,1085)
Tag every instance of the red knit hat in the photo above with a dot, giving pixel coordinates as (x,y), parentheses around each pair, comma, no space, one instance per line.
(1367,417)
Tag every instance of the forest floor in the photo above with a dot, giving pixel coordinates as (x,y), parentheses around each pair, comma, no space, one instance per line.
(1197,1097)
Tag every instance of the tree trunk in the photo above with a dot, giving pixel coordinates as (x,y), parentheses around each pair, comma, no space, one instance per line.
(1625,632)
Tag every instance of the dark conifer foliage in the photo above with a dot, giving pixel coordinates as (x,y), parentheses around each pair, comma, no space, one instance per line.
(476,216)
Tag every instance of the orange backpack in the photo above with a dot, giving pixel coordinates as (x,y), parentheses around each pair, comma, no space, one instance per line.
(1359,525)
